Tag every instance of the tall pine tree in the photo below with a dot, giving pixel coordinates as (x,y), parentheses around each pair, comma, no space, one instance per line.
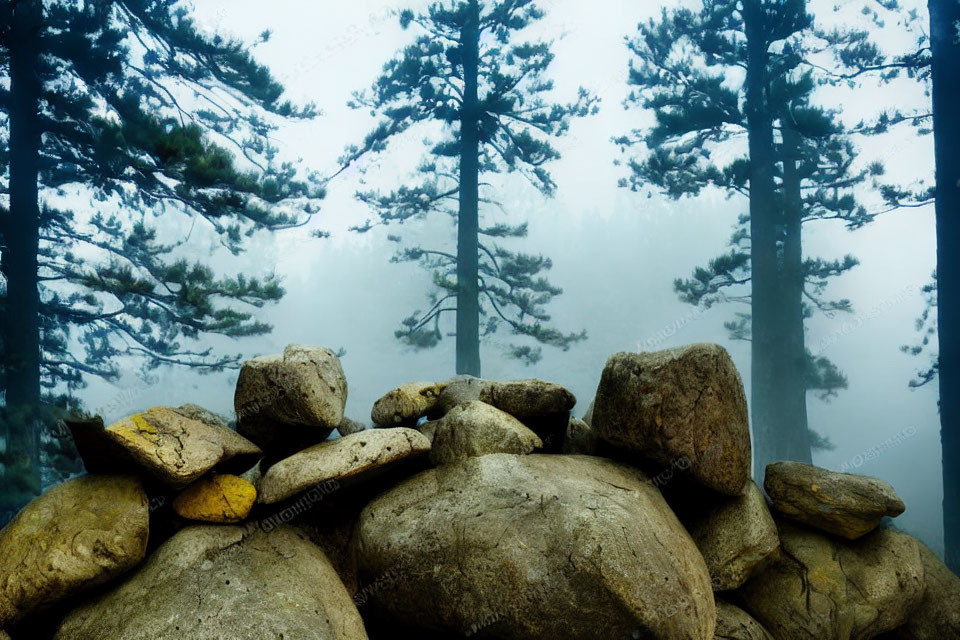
(122,112)
(470,72)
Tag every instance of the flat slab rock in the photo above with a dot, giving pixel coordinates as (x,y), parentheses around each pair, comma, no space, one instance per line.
(843,504)
(530,398)
(534,547)
(407,403)
(212,581)
(337,460)
(166,443)
(217,498)
(477,429)
(77,535)
(680,404)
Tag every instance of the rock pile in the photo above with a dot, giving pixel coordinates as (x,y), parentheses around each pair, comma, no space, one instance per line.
(473,508)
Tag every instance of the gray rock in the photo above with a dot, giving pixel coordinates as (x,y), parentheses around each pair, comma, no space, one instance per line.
(938,616)
(224,582)
(457,391)
(528,398)
(826,588)
(477,429)
(349,427)
(736,624)
(533,547)
(843,504)
(580,439)
(79,534)
(680,404)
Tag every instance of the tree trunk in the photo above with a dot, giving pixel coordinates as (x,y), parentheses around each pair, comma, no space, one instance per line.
(468,293)
(793,411)
(21,327)
(763,223)
(944,16)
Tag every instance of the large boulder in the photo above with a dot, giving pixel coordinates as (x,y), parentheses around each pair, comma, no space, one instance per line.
(679,404)
(843,504)
(534,547)
(736,624)
(406,404)
(477,429)
(347,458)
(224,582)
(826,588)
(287,401)
(938,616)
(737,537)
(217,498)
(528,398)
(77,535)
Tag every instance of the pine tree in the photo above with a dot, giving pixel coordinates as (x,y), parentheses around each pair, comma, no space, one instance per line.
(730,89)
(118,116)
(469,73)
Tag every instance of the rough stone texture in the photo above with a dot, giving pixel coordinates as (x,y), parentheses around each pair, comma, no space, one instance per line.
(286,400)
(349,427)
(477,429)
(339,460)
(528,398)
(217,498)
(736,624)
(406,404)
(580,439)
(164,443)
(196,412)
(222,582)
(77,535)
(938,616)
(680,403)
(844,504)
(737,537)
(826,588)
(458,390)
(534,547)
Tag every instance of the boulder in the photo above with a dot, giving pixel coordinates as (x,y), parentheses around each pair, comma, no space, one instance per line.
(216,498)
(224,582)
(164,443)
(580,439)
(528,398)
(843,504)
(831,589)
(285,401)
(349,427)
(737,537)
(458,390)
(938,616)
(196,412)
(477,429)
(533,547)
(736,624)
(406,404)
(77,535)
(347,458)
(685,403)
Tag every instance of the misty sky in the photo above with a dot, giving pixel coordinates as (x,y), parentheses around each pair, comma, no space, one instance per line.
(615,253)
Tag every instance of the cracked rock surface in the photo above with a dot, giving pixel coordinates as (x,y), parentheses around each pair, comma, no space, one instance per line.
(223,582)
(77,535)
(681,404)
(938,616)
(338,460)
(826,588)
(736,624)
(534,547)
(844,504)
(477,429)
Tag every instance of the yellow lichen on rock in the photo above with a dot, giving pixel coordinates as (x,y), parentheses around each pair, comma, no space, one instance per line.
(217,498)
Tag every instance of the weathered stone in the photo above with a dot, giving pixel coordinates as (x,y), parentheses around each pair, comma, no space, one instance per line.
(588,416)
(736,624)
(826,588)
(685,403)
(338,460)
(196,412)
(737,537)
(477,429)
(458,390)
(528,398)
(580,439)
(349,427)
(217,498)
(77,535)
(938,616)
(167,445)
(534,547)
(407,403)
(283,402)
(224,582)
(844,504)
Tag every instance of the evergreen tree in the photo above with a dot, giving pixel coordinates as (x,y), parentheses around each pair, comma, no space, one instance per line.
(125,111)
(470,74)
(730,86)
